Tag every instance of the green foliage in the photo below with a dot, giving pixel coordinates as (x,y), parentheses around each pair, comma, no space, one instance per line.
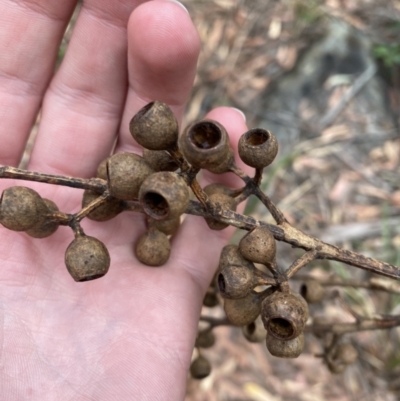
(307,11)
(389,54)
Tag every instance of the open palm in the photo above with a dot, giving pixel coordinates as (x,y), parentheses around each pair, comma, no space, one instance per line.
(129,335)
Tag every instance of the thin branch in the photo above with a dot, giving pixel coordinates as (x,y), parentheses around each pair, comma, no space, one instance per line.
(281,232)
(92,206)
(363,325)
(301,262)
(94,184)
(374,283)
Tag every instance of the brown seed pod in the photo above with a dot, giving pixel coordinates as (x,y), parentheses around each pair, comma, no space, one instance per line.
(255,332)
(285,349)
(155,127)
(336,367)
(168,227)
(210,299)
(284,315)
(205,339)
(236,281)
(102,169)
(224,202)
(205,144)
(243,311)
(312,291)
(200,368)
(107,211)
(164,195)
(230,255)
(258,246)
(21,208)
(258,148)
(46,227)
(159,160)
(346,353)
(153,248)
(125,174)
(87,258)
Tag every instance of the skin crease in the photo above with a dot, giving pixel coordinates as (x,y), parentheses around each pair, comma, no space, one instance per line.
(130,334)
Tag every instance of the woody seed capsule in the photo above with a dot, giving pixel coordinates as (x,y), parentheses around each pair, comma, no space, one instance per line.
(164,195)
(255,332)
(46,227)
(125,174)
(284,315)
(200,368)
(243,311)
(285,348)
(258,148)
(155,127)
(205,144)
(87,258)
(258,246)
(21,208)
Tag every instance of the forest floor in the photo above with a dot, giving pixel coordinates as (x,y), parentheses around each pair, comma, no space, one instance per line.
(337,176)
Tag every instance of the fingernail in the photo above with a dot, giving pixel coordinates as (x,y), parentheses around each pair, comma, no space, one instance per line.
(240,112)
(179,4)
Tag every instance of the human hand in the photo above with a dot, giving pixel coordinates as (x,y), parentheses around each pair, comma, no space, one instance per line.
(129,335)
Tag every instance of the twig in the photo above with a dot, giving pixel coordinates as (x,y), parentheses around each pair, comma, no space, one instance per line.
(94,184)
(358,84)
(301,262)
(363,325)
(374,283)
(282,232)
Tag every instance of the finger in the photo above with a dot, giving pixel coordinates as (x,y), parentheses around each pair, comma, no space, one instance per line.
(196,247)
(162,57)
(31,31)
(82,108)
(82,111)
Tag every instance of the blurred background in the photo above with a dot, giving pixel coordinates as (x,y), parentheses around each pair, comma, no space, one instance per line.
(324,76)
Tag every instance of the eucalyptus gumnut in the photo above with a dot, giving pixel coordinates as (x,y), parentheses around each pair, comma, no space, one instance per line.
(259,246)
(21,208)
(345,353)
(236,275)
(210,299)
(125,174)
(258,148)
(243,311)
(205,339)
(155,127)
(224,202)
(159,160)
(87,258)
(230,255)
(236,281)
(106,211)
(205,144)
(102,169)
(153,248)
(285,348)
(164,195)
(284,315)
(47,226)
(200,368)
(336,367)
(312,291)
(255,332)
